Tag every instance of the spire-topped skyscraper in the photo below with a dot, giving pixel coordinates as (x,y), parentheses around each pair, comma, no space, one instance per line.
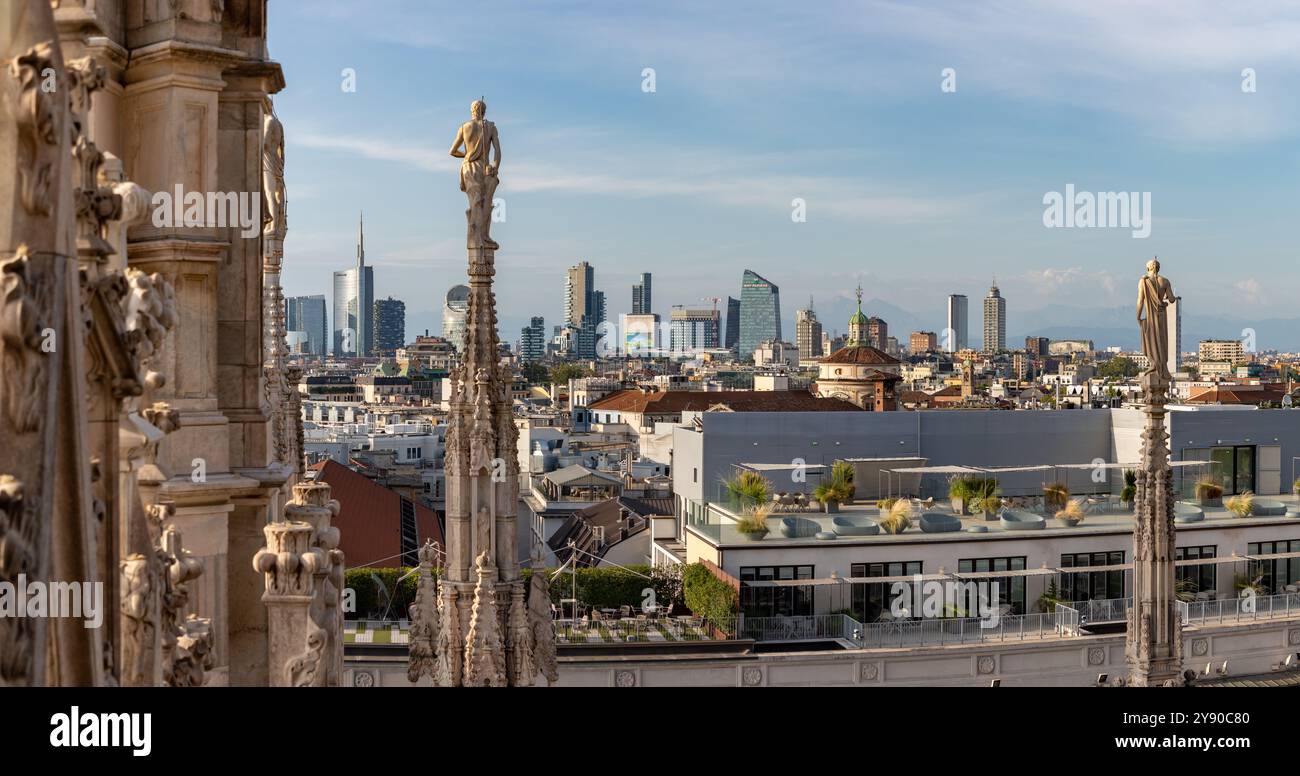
(354,302)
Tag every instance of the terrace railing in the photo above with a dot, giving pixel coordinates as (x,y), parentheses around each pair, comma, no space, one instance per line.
(1097,610)
(1258,607)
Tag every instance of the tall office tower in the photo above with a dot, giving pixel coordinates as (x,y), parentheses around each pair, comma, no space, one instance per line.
(878,334)
(732,340)
(532,340)
(454,310)
(760,313)
(354,299)
(692,329)
(953,338)
(307,314)
(1036,346)
(389,325)
(641,296)
(995,321)
(808,332)
(1174,318)
(922,342)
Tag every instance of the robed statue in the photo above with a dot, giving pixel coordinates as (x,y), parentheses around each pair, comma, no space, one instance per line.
(478,173)
(1154,296)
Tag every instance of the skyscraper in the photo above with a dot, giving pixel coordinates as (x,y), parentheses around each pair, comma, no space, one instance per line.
(954,336)
(389,325)
(995,321)
(454,309)
(354,299)
(641,296)
(760,313)
(732,340)
(808,332)
(307,314)
(1174,318)
(532,340)
(584,307)
(692,329)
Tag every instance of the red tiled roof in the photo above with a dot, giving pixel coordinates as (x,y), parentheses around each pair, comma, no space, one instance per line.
(370,518)
(859,354)
(675,402)
(1229,395)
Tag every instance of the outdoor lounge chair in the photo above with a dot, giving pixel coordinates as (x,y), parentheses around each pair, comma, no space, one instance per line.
(854,526)
(1020,520)
(938,522)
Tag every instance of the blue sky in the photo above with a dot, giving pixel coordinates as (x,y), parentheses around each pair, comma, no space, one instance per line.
(913,192)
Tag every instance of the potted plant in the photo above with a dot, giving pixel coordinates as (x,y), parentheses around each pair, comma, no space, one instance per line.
(1055,496)
(828,493)
(1072,513)
(987,498)
(1129,491)
(1243,585)
(842,474)
(899,518)
(1050,598)
(1241,505)
(753,524)
(1209,491)
(1295,487)
(958,492)
(884,504)
(748,489)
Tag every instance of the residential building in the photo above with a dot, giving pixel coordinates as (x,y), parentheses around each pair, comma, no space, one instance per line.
(808,333)
(995,321)
(772,352)
(389,325)
(641,302)
(878,333)
(922,342)
(1230,351)
(532,340)
(692,329)
(1037,346)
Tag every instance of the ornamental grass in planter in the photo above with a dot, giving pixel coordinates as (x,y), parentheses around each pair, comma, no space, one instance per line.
(1241,505)
(1055,496)
(1209,491)
(1072,513)
(753,524)
(899,518)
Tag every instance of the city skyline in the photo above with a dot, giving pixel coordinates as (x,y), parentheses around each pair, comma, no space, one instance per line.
(892,186)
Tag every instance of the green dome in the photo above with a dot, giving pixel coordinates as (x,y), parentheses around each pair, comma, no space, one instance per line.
(858,318)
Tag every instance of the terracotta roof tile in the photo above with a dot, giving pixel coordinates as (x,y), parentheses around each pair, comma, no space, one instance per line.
(369,519)
(859,354)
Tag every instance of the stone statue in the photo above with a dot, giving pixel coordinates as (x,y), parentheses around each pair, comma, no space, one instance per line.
(1154,295)
(274,225)
(478,173)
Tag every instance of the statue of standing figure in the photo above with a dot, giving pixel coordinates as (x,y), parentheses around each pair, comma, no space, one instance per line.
(1154,295)
(478,173)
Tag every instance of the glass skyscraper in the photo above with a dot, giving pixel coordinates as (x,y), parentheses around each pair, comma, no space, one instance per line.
(354,303)
(732,339)
(760,313)
(307,314)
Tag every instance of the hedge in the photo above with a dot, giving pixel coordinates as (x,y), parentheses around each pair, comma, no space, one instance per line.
(708,596)
(603,588)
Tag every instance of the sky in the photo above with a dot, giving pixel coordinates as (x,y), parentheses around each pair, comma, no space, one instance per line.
(910,189)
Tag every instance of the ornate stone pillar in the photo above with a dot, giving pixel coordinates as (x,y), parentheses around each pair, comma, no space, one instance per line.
(295,645)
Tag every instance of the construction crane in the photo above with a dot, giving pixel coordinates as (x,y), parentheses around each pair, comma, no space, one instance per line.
(714,299)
